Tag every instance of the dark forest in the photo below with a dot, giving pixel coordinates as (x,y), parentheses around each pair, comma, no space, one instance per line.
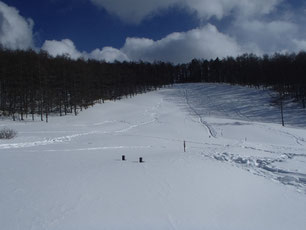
(34,83)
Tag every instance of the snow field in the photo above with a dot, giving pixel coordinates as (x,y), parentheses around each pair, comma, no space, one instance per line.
(237,172)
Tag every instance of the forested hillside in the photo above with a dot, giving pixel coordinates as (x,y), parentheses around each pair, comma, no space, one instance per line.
(34,83)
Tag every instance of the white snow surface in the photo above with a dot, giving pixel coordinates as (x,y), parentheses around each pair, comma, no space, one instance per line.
(241,169)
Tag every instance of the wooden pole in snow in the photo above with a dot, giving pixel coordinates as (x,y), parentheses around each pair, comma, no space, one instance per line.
(184,146)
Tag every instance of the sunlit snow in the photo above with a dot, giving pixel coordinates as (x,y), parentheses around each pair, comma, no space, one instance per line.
(241,169)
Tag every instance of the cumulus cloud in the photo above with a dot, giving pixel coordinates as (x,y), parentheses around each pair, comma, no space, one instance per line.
(261,26)
(108,54)
(134,11)
(221,8)
(16,32)
(259,36)
(205,42)
(67,47)
(299,45)
(63,47)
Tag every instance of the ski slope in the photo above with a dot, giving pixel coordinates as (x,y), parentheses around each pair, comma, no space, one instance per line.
(241,169)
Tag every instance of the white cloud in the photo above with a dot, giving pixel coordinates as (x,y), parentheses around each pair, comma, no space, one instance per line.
(67,47)
(221,8)
(134,11)
(108,54)
(299,45)
(205,42)
(258,26)
(248,36)
(261,37)
(63,47)
(15,30)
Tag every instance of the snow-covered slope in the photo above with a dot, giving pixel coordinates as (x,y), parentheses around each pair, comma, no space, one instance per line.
(237,172)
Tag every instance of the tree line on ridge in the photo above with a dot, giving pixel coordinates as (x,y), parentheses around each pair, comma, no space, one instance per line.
(33,83)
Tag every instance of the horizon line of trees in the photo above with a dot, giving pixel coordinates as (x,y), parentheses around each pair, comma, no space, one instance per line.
(34,83)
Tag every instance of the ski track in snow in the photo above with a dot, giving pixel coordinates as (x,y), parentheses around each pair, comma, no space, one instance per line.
(44,142)
(68,138)
(260,166)
(264,167)
(210,129)
(94,148)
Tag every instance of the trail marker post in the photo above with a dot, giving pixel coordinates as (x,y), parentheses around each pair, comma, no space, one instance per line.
(184,146)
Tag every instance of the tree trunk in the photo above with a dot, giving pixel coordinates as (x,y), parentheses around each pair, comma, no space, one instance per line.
(282,109)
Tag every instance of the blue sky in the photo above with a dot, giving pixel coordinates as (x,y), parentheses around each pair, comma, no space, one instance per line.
(91,27)
(167,30)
